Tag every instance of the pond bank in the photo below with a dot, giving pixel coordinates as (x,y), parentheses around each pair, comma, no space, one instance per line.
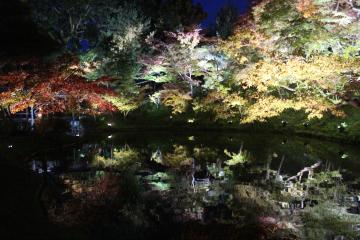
(344,130)
(339,129)
(344,138)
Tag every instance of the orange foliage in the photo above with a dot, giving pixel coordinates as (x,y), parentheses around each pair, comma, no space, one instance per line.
(307,8)
(54,88)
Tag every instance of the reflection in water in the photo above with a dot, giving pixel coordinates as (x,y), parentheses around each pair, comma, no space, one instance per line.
(258,187)
(115,158)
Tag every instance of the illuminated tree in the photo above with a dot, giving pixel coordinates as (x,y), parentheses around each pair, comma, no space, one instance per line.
(223,105)
(175,99)
(214,68)
(325,76)
(181,56)
(107,36)
(298,54)
(124,33)
(246,46)
(122,104)
(182,59)
(307,27)
(56,88)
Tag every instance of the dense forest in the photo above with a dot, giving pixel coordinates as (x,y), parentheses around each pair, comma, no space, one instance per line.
(298,56)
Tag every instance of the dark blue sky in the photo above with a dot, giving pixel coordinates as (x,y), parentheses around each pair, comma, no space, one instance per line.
(213,6)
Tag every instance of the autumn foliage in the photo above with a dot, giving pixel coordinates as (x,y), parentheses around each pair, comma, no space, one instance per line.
(297,55)
(54,88)
(306,7)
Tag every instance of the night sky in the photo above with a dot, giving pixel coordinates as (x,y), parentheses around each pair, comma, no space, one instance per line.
(213,6)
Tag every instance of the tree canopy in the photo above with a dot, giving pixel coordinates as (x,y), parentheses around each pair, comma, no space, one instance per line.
(300,55)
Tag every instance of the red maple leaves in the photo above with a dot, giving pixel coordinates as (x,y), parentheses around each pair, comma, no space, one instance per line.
(53,88)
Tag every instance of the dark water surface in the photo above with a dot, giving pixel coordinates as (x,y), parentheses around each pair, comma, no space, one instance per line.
(187,185)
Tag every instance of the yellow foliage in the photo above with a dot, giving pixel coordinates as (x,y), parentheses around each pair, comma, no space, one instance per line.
(265,108)
(322,73)
(175,99)
(179,158)
(315,107)
(274,77)
(123,105)
(120,158)
(223,105)
(307,8)
(243,43)
(270,106)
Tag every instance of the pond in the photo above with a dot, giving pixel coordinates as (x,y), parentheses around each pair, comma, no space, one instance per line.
(183,185)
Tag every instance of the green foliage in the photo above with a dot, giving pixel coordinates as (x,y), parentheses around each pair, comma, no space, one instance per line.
(159,74)
(186,61)
(237,158)
(181,56)
(156,98)
(115,34)
(122,41)
(327,220)
(124,27)
(213,66)
(273,16)
(91,65)
(160,181)
(326,177)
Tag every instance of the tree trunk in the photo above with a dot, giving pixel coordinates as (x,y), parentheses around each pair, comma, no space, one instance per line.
(32,122)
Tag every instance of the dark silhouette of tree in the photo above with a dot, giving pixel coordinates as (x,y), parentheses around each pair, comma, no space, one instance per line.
(180,13)
(225,21)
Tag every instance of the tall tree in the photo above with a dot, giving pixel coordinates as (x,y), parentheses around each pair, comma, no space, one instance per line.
(80,25)
(225,21)
(180,13)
